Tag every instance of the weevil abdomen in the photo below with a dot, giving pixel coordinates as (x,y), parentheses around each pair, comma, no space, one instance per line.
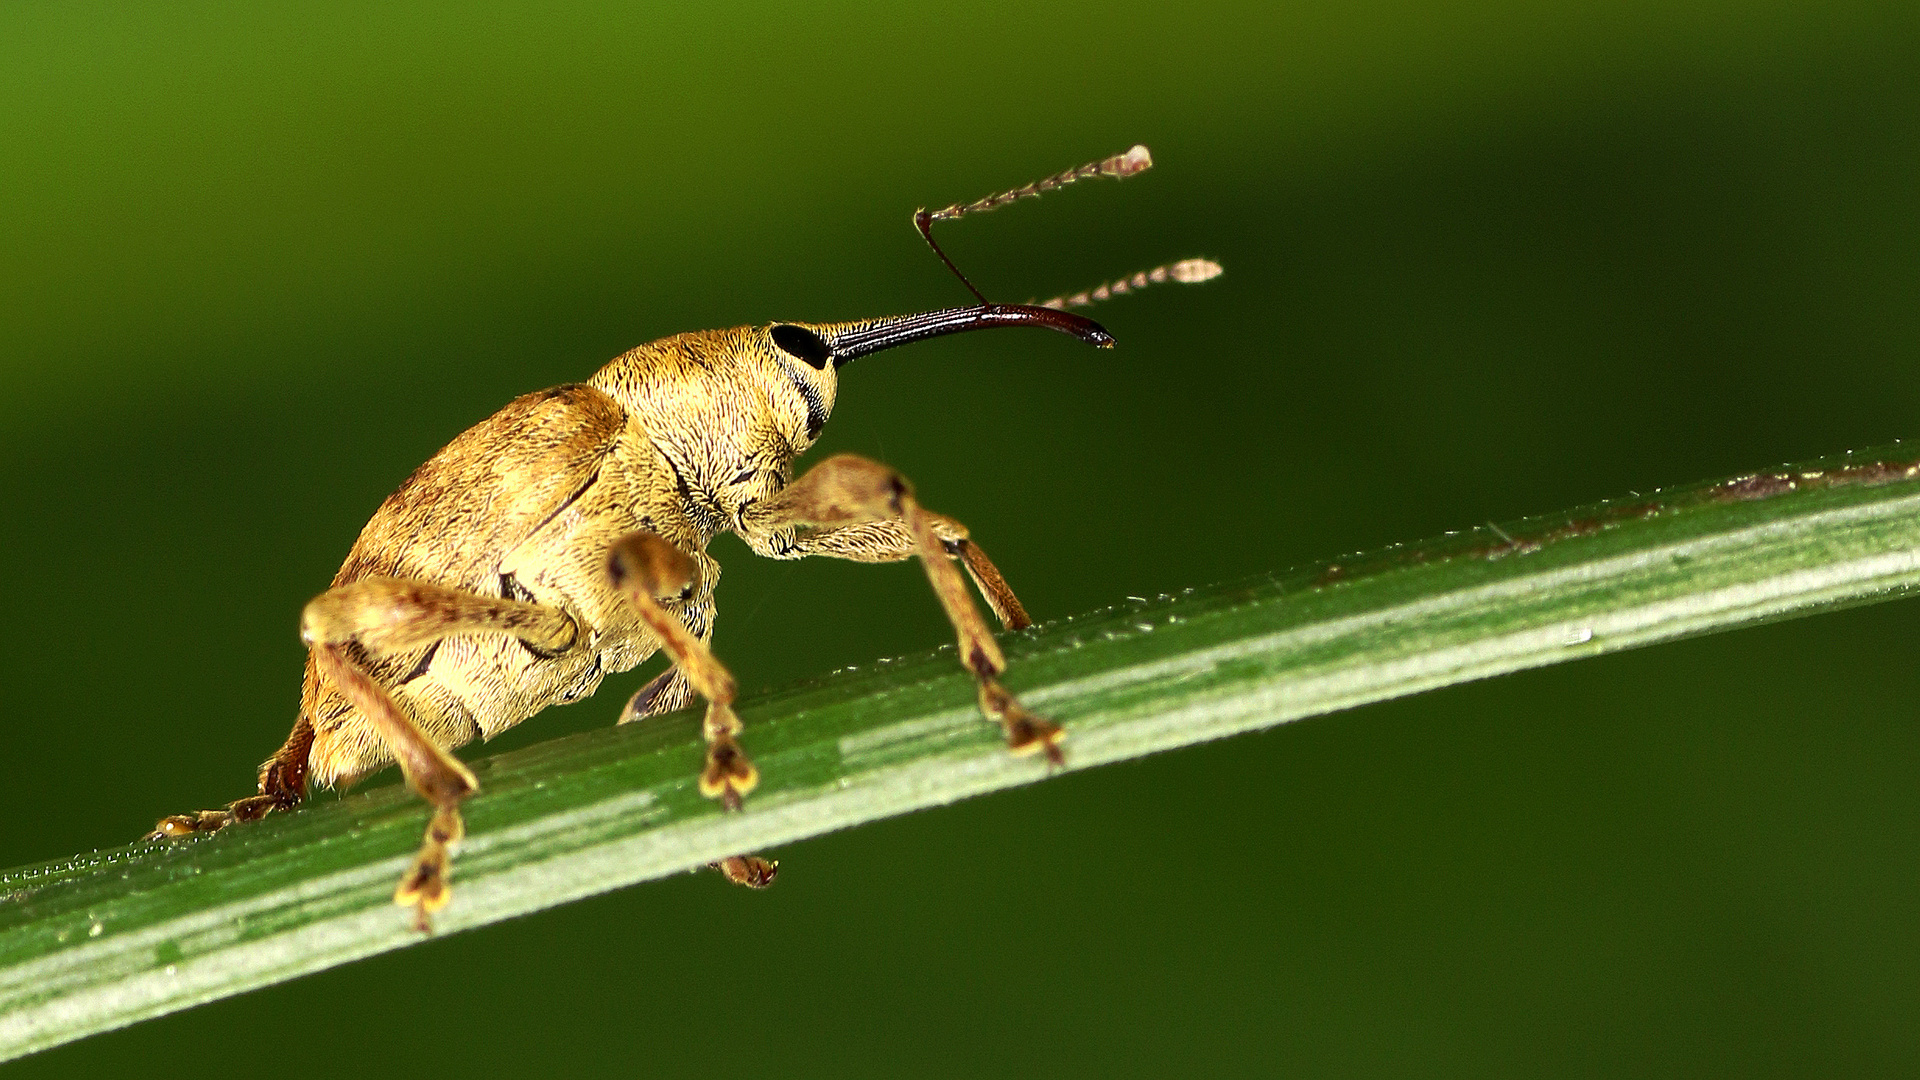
(521,506)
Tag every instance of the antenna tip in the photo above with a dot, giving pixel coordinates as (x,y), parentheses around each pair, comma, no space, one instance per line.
(1194,271)
(1136,160)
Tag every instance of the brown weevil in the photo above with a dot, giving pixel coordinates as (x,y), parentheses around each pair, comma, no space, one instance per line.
(564,537)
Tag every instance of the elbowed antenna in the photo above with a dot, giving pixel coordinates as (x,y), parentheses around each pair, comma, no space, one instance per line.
(1119,166)
(851,341)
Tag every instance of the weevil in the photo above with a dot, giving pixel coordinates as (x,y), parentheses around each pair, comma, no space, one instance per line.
(564,538)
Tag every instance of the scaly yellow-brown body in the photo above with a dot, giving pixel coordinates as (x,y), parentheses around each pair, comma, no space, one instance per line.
(525,504)
(564,537)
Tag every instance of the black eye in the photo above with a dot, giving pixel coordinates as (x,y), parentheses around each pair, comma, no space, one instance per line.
(804,345)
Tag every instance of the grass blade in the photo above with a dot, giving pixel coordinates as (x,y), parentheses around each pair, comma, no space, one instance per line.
(105,939)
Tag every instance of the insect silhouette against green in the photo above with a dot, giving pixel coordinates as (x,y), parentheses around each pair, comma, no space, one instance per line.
(565,537)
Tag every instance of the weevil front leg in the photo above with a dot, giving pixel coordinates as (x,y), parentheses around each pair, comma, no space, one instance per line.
(772,532)
(853,508)
(383,615)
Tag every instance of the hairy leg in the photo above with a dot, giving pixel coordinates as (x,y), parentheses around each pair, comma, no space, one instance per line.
(386,615)
(647,570)
(853,508)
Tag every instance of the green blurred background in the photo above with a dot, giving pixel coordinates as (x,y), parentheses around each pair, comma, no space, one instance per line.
(1483,260)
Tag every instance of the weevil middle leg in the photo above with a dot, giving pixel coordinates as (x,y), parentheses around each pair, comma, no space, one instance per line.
(381,615)
(370,618)
(647,570)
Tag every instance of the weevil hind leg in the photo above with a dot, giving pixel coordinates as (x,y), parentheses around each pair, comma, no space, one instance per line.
(251,808)
(283,785)
(854,508)
(666,692)
(381,615)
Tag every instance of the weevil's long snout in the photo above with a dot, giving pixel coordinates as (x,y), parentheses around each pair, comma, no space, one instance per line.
(851,341)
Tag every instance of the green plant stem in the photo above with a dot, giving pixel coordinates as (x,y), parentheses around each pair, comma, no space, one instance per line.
(105,939)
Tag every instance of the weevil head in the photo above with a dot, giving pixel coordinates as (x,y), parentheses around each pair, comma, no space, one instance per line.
(731,409)
(799,357)
(809,356)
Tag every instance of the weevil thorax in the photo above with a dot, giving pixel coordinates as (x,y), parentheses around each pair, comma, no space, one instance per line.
(728,409)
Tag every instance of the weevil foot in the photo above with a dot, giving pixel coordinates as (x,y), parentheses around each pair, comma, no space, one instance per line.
(179,825)
(251,808)
(424,886)
(1026,733)
(750,870)
(1030,734)
(729,773)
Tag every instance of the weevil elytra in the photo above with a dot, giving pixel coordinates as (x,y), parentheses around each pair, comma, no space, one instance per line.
(564,537)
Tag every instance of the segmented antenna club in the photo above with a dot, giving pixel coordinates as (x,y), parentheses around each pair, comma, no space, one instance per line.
(1184,272)
(1119,166)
